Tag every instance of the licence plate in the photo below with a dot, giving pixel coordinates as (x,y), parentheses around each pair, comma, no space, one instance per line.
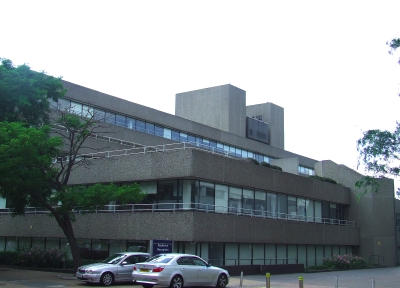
(144,270)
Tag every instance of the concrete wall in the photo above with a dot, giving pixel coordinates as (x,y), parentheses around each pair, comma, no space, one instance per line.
(274,116)
(222,107)
(289,165)
(373,213)
(183,226)
(124,107)
(198,164)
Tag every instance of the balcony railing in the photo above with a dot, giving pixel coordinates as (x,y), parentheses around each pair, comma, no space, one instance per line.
(252,261)
(207,208)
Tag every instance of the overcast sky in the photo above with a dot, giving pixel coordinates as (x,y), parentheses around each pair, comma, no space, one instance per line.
(324,62)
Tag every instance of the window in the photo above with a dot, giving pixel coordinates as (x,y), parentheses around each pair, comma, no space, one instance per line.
(120,120)
(235,199)
(325,212)
(248,201)
(260,202)
(131,123)
(183,137)
(110,117)
(301,208)
(140,126)
(282,206)
(205,194)
(159,131)
(305,170)
(310,210)
(292,207)
(63,104)
(318,211)
(99,114)
(191,139)
(185,261)
(76,108)
(221,198)
(167,133)
(149,128)
(271,205)
(167,192)
(174,135)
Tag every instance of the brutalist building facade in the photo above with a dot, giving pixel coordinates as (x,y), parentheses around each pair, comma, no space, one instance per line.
(206,193)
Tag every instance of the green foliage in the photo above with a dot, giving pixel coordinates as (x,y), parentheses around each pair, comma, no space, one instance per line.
(88,198)
(345,261)
(25,94)
(254,161)
(39,257)
(9,258)
(339,262)
(394,44)
(325,179)
(265,164)
(26,155)
(366,185)
(379,151)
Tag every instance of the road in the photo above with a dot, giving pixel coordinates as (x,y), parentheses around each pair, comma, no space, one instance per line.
(383,277)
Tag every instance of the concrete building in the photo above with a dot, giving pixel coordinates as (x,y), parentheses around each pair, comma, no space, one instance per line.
(207,193)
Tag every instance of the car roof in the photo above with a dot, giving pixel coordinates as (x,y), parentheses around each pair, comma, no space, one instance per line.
(176,254)
(133,253)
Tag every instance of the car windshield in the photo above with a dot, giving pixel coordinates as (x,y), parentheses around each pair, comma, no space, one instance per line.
(114,259)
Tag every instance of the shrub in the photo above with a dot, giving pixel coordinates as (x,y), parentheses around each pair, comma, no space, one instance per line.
(325,179)
(254,161)
(265,164)
(345,261)
(8,258)
(37,256)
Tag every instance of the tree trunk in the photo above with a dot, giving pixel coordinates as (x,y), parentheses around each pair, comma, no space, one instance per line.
(66,225)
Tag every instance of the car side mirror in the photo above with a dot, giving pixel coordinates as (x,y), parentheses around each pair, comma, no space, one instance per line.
(124,263)
(208,264)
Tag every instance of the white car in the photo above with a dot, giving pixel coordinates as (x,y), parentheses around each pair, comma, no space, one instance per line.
(178,270)
(116,268)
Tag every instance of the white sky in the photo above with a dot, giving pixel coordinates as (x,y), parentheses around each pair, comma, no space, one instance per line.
(324,62)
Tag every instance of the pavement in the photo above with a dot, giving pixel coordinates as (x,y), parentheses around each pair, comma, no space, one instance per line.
(381,277)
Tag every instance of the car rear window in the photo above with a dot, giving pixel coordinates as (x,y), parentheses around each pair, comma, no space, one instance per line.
(161,259)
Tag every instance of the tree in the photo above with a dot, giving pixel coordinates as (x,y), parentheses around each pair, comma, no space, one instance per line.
(379,151)
(24,94)
(37,162)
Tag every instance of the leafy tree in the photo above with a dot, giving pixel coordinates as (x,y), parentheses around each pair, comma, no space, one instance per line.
(24,94)
(379,151)
(36,163)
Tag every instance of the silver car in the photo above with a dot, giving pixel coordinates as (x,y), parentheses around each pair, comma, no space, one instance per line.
(116,268)
(178,270)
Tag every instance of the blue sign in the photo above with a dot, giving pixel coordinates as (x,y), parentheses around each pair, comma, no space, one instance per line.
(162,246)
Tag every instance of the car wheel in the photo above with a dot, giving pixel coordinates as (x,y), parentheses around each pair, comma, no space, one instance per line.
(176,282)
(107,279)
(222,281)
(147,286)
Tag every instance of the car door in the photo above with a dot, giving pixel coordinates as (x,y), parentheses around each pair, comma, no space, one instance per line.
(205,275)
(188,270)
(126,267)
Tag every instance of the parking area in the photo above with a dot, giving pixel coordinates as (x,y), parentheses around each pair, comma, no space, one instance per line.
(383,277)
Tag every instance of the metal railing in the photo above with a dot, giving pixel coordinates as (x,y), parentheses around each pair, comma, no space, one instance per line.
(251,261)
(148,149)
(190,206)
